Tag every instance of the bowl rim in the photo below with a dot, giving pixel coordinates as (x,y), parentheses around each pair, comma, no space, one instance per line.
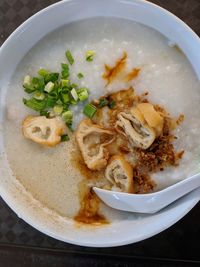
(194,195)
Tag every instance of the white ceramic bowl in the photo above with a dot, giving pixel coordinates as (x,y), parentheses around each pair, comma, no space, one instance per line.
(14,49)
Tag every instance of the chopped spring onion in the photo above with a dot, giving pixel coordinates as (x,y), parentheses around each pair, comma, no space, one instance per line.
(74,85)
(35,104)
(66,89)
(89,110)
(64,82)
(58,109)
(65,71)
(38,83)
(59,89)
(39,95)
(90,55)
(64,66)
(73,102)
(44,113)
(66,106)
(53,93)
(29,88)
(82,94)
(65,97)
(74,94)
(49,87)
(67,116)
(50,101)
(43,72)
(103,102)
(80,75)
(69,57)
(111,104)
(65,138)
(27,80)
(59,102)
(51,77)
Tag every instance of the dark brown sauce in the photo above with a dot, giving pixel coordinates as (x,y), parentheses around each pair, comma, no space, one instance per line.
(112,72)
(89,208)
(132,74)
(89,202)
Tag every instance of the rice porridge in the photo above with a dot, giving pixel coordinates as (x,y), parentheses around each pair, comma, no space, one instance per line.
(166,74)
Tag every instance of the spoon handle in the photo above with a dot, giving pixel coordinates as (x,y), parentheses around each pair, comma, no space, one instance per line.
(148,203)
(174,192)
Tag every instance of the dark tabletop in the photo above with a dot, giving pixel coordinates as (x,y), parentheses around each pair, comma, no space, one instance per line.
(21,245)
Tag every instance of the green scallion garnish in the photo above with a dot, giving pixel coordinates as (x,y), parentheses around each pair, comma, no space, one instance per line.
(90,55)
(69,57)
(35,104)
(57,109)
(27,80)
(39,95)
(73,102)
(74,94)
(52,93)
(82,94)
(44,113)
(38,83)
(29,88)
(50,101)
(65,138)
(59,102)
(64,82)
(103,102)
(65,98)
(67,116)
(89,110)
(65,71)
(74,85)
(51,77)
(43,72)
(49,87)
(80,75)
(111,104)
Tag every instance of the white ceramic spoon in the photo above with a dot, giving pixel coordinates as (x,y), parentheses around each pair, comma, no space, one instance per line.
(148,203)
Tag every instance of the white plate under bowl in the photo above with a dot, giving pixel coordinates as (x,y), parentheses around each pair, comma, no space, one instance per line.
(135,227)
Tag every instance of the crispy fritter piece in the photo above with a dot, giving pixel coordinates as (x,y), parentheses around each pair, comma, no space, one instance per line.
(92,140)
(120,174)
(136,130)
(44,131)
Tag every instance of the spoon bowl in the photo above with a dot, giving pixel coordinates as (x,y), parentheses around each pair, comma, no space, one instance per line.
(148,203)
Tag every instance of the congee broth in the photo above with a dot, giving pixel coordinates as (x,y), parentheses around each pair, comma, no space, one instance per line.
(120,85)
